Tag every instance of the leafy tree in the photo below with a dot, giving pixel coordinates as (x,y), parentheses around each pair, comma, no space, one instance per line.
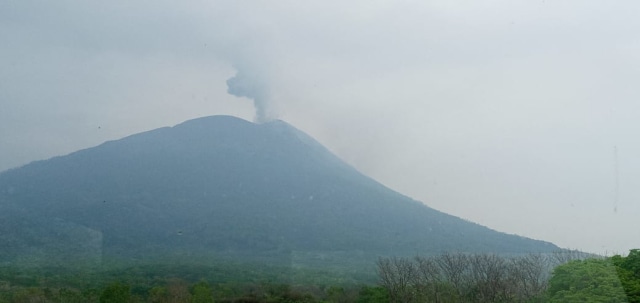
(591,280)
(628,269)
(376,294)
(116,293)
(632,263)
(201,293)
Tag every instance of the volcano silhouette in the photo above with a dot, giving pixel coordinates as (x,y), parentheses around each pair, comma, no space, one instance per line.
(219,185)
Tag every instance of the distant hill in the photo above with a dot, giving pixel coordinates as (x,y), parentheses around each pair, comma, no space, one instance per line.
(219,186)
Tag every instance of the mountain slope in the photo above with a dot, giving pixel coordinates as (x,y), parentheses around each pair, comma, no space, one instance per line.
(219,185)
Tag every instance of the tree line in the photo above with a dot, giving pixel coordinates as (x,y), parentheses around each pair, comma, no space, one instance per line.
(565,276)
(181,291)
(457,277)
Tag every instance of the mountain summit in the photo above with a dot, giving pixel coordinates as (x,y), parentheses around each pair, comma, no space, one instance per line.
(219,185)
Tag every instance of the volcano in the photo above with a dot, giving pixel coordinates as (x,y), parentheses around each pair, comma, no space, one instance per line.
(215,186)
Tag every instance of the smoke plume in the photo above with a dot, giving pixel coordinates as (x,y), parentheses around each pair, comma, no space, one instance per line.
(251,86)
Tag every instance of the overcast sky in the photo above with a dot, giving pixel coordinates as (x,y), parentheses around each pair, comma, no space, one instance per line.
(523,116)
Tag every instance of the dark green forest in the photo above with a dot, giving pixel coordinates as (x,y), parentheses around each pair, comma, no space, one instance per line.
(564,276)
(223,282)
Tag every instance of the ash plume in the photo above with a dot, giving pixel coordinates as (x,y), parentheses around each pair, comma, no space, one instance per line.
(251,87)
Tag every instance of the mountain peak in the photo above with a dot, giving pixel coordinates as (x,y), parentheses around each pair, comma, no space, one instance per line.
(212,121)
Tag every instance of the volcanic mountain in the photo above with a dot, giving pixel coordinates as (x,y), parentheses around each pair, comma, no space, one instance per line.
(219,185)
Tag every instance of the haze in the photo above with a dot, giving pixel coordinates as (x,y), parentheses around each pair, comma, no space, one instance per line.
(518,115)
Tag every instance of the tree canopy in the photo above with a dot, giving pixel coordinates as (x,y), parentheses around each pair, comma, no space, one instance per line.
(590,280)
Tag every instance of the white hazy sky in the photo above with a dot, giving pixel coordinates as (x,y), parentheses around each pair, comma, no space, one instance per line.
(519,115)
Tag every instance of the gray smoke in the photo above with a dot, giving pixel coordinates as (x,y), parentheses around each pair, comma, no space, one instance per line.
(251,86)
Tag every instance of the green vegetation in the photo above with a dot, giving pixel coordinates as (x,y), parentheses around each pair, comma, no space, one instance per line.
(202,293)
(116,292)
(192,284)
(628,270)
(614,279)
(591,280)
(562,277)
(566,276)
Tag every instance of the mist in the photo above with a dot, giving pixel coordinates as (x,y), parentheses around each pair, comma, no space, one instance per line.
(520,116)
